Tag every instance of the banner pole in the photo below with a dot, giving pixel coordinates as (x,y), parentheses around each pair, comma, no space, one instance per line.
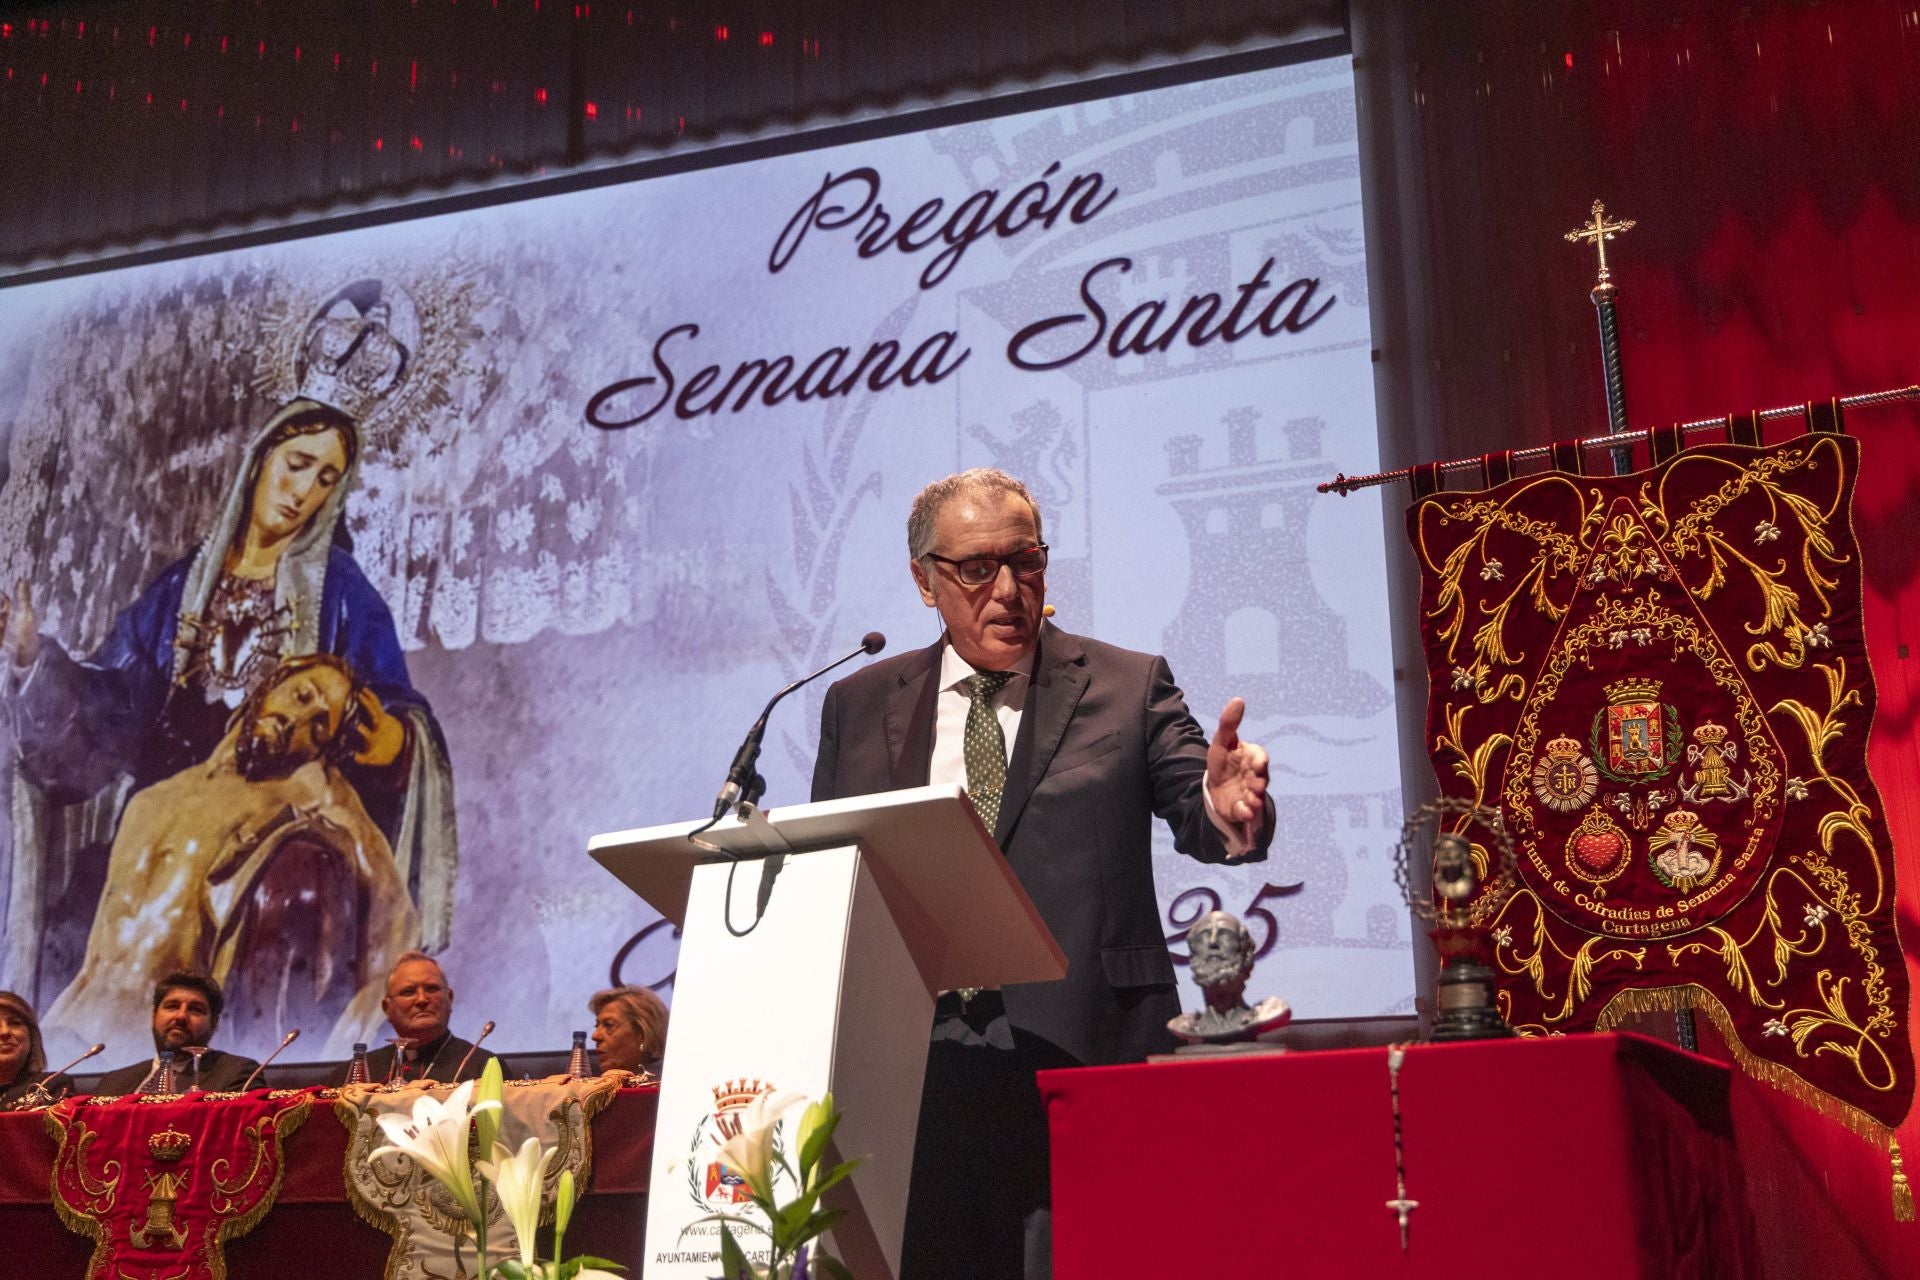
(1604,293)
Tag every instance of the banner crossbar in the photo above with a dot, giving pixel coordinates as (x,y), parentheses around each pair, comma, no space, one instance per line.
(1344,484)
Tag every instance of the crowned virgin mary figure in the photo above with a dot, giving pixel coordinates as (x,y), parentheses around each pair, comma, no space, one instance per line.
(273,581)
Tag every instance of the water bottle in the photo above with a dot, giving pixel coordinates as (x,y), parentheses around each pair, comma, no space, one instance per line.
(577,1060)
(169,1083)
(357,1072)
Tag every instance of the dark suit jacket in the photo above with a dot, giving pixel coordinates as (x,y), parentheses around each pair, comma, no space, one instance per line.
(1105,743)
(445,1058)
(219,1073)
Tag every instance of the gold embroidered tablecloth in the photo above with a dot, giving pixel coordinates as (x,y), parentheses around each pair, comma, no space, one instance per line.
(160,1185)
(431,1239)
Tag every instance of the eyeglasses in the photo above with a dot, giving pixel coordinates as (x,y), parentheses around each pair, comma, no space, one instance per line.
(978,571)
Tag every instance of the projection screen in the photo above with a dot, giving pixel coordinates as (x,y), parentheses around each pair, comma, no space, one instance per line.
(627,458)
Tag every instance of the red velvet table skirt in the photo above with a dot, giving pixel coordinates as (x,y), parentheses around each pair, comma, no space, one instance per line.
(1602,1155)
(312,1230)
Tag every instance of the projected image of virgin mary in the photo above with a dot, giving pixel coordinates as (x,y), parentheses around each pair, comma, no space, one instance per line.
(331,827)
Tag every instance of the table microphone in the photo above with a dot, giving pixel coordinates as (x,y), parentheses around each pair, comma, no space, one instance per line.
(40,1095)
(248,1082)
(741,778)
(484,1033)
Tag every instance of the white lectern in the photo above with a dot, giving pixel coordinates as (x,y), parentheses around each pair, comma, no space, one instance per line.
(811,964)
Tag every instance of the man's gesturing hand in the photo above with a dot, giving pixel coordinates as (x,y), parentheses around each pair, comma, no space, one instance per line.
(1237,771)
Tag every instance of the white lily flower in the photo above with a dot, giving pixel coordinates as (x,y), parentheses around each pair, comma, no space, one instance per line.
(517,1179)
(435,1138)
(749,1152)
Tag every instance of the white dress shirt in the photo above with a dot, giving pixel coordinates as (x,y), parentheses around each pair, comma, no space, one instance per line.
(950,718)
(950,734)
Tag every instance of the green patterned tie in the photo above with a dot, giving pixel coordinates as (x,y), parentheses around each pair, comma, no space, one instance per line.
(986,745)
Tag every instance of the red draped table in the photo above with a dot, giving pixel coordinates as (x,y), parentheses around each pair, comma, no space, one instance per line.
(1597,1155)
(311,1224)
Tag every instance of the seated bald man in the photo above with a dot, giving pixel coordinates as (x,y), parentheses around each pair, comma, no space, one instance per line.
(419,1005)
(186,1013)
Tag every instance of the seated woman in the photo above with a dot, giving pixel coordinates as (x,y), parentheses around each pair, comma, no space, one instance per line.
(23,1059)
(629,1030)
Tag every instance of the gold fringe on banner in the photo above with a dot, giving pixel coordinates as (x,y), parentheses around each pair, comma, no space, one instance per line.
(1692,997)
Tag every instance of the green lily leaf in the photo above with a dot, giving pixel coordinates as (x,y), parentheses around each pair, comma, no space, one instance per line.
(733,1261)
(813,1142)
(788,1221)
(836,1175)
(821,1223)
(563,1199)
(487,1123)
(832,1266)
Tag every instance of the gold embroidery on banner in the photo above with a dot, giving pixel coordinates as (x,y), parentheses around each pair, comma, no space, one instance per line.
(1695,534)
(1564,778)
(1679,852)
(1557,553)
(1532,965)
(1685,635)
(1474,766)
(1809,911)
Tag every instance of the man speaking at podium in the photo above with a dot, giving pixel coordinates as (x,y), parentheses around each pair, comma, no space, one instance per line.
(1068,747)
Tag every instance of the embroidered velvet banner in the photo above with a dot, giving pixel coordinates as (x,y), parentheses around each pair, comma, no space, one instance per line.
(1661,681)
(159,1186)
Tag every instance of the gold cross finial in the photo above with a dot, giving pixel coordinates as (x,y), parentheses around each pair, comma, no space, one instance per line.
(1598,232)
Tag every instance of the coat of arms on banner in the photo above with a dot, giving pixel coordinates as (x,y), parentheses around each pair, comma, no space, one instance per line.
(1661,680)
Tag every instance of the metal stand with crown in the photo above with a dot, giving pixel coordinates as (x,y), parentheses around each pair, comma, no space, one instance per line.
(1471,879)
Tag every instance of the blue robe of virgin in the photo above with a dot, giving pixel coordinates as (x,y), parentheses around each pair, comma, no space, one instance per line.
(83,723)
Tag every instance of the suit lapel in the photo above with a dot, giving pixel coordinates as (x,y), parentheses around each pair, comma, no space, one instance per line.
(911,707)
(1059,680)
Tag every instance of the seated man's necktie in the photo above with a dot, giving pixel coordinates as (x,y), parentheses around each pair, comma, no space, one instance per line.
(985,745)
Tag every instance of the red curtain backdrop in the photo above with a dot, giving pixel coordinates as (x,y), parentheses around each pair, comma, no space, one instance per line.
(1766,152)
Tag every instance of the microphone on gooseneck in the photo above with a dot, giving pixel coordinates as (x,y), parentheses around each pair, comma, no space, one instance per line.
(255,1073)
(742,782)
(471,1050)
(40,1095)
(97,1049)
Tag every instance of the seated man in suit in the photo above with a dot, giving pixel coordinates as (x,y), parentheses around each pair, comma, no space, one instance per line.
(1069,748)
(418,1005)
(186,1013)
